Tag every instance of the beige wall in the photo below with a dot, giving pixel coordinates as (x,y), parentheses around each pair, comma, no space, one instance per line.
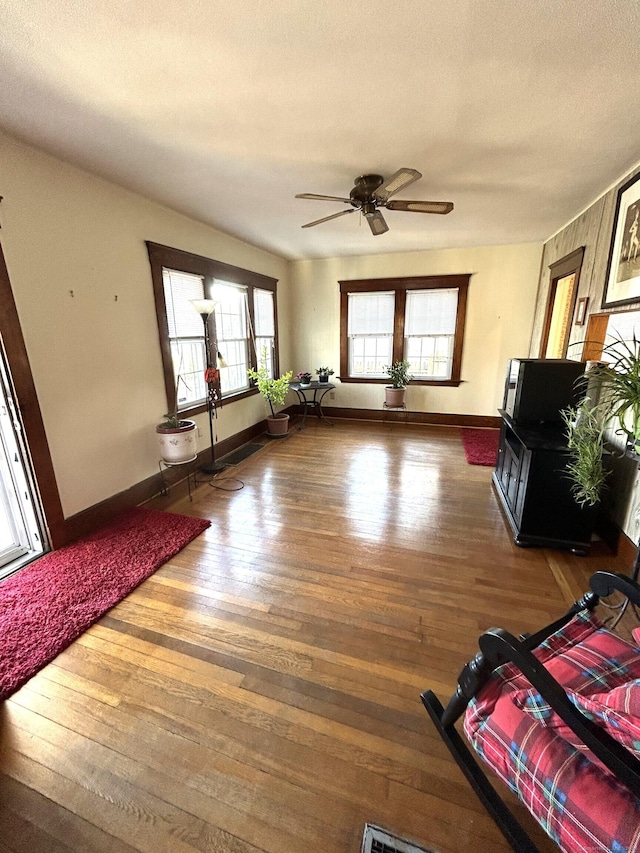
(500,308)
(75,250)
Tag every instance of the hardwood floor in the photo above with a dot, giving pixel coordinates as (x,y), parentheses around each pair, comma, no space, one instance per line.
(260,692)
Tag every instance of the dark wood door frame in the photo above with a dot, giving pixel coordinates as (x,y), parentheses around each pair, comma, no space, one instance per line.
(24,391)
(560,269)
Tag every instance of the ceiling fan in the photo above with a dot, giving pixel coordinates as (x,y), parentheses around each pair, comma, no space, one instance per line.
(372,192)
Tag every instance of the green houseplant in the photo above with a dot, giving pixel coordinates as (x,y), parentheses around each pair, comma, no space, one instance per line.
(619,378)
(398,373)
(585,425)
(617,383)
(304,377)
(274,391)
(324,373)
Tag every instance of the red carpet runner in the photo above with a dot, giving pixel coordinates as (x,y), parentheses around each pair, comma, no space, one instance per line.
(480,445)
(46,605)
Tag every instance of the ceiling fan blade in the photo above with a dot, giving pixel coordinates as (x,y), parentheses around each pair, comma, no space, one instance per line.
(398,181)
(421,206)
(327,218)
(377,223)
(323,197)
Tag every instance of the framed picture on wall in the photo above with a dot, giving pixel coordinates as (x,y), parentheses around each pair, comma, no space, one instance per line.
(581,310)
(622,283)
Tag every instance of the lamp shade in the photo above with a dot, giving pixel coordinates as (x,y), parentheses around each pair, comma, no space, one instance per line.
(204,306)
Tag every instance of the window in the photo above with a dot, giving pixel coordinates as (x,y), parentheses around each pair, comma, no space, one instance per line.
(231,327)
(420,320)
(370,333)
(242,325)
(185,333)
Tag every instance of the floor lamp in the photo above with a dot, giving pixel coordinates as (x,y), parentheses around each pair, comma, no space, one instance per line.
(205,308)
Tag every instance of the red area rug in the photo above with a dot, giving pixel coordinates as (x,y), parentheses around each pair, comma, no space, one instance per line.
(480,445)
(46,605)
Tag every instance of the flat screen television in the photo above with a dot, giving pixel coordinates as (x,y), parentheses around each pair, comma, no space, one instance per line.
(536,389)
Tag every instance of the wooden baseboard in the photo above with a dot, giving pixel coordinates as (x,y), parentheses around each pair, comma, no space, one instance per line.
(95,516)
(430,418)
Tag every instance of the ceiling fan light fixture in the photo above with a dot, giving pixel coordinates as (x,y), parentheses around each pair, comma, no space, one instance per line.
(371,192)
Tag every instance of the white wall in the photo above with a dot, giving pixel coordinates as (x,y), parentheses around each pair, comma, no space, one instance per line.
(500,309)
(73,243)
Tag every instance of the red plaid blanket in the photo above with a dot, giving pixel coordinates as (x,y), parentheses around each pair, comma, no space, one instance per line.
(575,800)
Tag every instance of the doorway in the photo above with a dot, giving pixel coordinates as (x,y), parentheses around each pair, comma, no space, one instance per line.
(22,532)
(31,516)
(563,290)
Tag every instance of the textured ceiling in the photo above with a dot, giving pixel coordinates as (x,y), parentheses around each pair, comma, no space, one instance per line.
(520,112)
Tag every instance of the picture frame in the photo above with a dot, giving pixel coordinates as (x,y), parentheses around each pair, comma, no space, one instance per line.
(581,310)
(622,280)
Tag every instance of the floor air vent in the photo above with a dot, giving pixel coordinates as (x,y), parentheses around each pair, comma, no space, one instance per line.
(376,840)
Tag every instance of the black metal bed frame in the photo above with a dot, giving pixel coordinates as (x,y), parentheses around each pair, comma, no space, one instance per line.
(498,647)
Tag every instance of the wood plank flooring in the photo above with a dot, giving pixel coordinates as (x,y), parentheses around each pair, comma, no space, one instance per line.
(260,692)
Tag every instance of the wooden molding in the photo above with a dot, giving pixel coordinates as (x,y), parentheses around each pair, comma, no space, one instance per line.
(400,286)
(427,418)
(15,353)
(571,263)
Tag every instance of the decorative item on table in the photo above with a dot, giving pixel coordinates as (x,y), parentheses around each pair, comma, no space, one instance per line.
(323,374)
(274,391)
(399,374)
(303,378)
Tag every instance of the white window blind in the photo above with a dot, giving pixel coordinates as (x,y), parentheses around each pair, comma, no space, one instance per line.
(182,319)
(371,313)
(431,312)
(264,313)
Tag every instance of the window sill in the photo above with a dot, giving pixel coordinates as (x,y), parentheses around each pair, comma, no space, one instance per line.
(202,407)
(448,383)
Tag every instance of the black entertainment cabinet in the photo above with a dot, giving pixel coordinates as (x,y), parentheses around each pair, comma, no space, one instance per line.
(531,482)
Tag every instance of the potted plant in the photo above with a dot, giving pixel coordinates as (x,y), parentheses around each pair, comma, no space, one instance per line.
(303,378)
(323,374)
(177,439)
(399,374)
(274,391)
(585,426)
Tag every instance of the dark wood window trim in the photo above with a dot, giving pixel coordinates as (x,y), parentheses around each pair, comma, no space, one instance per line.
(15,352)
(400,287)
(560,269)
(165,256)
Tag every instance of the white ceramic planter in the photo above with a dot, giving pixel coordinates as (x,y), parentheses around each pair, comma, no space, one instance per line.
(178,444)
